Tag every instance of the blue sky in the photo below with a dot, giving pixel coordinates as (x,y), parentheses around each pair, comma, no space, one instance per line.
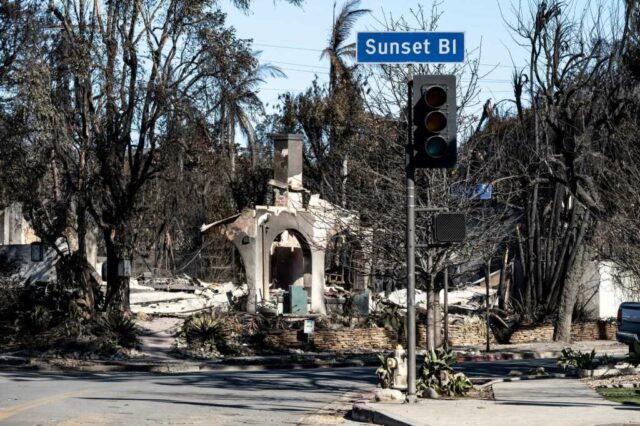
(293,37)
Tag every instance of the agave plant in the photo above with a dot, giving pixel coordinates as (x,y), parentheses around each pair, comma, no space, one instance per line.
(119,328)
(385,377)
(206,329)
(438,374)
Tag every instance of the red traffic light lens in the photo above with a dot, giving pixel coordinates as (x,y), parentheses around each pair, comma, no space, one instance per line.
(436,147)
(435,121)
(435,96)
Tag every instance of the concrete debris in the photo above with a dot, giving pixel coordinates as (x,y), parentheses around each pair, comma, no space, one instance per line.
(179,283)
(335,291)
(17,261)
(465,305)
(399,297)
(388,395)
(162,296)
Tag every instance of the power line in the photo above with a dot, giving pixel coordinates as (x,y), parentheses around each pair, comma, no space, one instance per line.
(307,71)
(280,46)
(288,47)
(294,64)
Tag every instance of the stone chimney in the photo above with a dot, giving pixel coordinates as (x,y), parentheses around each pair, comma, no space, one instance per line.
(287,168)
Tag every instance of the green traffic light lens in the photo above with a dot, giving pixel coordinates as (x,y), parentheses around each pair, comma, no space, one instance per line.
(435,96)
(435,121)
(436,147)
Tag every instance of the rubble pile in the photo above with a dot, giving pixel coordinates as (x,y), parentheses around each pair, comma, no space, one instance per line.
(181,296)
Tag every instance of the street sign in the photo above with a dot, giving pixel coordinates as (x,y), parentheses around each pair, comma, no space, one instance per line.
(309,326)
(409,47)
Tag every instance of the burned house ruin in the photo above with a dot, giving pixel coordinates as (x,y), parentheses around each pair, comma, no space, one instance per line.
(301,244)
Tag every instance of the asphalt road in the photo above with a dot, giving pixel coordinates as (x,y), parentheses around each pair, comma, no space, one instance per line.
(316,396)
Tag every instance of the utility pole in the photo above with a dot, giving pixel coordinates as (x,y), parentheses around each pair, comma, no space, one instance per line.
(411,247)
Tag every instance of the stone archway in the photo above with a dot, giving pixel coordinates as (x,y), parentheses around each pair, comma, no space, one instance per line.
(290,261)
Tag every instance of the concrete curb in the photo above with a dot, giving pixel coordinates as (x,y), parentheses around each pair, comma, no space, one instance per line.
(619,385)
(508,356)
(363,412)
(166,367)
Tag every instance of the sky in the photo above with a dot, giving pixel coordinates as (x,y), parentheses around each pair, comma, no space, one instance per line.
(292,38)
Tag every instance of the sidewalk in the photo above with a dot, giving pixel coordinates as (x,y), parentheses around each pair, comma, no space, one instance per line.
(562,402)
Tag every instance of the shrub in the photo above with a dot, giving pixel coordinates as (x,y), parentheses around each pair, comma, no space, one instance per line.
(388,316)
(633,357)
(576,359)
(606,359)
(385,377)
(39,319)
(11,302)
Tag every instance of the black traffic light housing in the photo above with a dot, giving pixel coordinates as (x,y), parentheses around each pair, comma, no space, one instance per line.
(449,227)
(434,121)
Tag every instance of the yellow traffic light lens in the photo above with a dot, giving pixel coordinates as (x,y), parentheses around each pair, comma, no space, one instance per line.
(435,121)
(435,96)
(436,147)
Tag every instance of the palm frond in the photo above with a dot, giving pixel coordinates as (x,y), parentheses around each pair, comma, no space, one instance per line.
(270,70)
(344,23)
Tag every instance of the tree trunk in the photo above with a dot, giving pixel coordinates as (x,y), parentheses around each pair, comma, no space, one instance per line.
(562,332)
(431,316)
(487,284)
(344,173)
(437,324)
(575,271)
(502,293)
(232,145)
(117,298)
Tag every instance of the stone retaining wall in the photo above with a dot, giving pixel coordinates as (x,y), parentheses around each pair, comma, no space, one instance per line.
(595,330)
(460,334)
(532,334)
(469,334)
(357,339)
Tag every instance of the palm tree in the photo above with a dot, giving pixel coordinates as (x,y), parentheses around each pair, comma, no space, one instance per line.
(238,104)
(337,50)
(339,72)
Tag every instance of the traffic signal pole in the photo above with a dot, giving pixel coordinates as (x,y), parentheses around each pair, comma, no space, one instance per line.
(411,249)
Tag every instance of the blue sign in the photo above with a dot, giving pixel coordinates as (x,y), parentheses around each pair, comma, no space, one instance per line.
(409,47)
(483,191)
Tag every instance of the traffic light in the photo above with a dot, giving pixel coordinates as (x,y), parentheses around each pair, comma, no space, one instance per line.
(434,121)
